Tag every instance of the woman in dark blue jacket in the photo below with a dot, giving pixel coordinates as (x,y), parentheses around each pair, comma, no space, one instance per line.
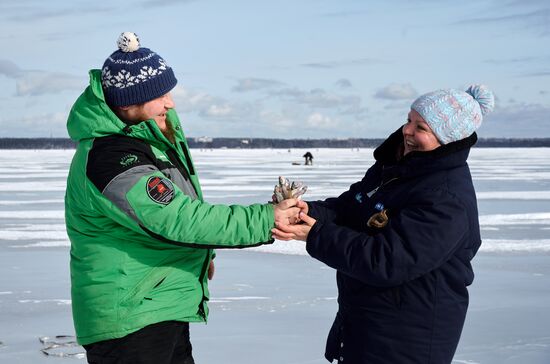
(403,237)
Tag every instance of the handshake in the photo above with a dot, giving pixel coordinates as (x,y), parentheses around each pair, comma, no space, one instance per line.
(291,213)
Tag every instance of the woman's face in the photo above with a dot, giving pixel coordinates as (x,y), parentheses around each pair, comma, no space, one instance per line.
(417,135)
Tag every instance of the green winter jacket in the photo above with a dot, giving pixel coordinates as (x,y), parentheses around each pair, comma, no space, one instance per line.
(141,235)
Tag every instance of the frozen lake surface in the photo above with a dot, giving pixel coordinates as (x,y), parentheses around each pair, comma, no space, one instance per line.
(274,304)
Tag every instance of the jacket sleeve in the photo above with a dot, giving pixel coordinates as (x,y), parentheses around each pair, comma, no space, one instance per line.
(334,208)
(323,210)
(130,183)
(418,239)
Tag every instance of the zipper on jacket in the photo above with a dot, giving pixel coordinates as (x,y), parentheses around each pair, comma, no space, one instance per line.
(204,271)
(172,156)
(382,184)
(174,159)
(369,194)
(187,157)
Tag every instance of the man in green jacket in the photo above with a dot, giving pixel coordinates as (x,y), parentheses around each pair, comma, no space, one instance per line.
(141,234)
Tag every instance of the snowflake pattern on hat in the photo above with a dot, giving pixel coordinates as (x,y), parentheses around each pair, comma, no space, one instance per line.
(125,78)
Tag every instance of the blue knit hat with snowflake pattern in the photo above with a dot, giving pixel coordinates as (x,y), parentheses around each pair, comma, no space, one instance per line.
(453,114)
(134,75)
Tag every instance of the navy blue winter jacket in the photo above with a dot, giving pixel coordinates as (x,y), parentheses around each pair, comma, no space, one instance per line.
(402,292)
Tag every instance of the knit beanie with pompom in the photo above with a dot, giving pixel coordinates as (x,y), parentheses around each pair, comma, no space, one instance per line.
(133,75)
(453,114)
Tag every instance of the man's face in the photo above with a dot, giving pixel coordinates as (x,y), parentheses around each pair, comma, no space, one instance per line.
(155,109)
(417,134)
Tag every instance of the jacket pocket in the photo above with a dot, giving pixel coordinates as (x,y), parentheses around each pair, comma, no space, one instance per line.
(143,289)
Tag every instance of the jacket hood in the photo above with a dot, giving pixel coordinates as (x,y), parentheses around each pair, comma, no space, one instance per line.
(90,116)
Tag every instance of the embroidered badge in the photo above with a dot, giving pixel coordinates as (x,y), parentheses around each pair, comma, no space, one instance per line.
(378,220)
(128,160)
(160,190)
(359,197)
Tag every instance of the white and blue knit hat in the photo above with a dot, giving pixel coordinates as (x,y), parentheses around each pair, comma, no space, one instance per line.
(134,75)
(453,114)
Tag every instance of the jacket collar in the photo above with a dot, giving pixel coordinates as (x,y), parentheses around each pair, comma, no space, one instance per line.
(418,163)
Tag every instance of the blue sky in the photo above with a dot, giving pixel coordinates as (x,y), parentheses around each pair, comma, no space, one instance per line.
(285,69)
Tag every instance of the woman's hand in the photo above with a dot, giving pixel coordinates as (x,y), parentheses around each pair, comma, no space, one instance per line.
(302,205)
(294,232)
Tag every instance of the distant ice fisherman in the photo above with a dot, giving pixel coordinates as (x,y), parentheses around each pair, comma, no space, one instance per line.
(308,158)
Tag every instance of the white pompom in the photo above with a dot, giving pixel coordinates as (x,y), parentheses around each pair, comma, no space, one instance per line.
(128,42)
(483,96)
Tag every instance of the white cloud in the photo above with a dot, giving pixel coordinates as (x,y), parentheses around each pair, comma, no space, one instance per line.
(193,101)
(537,74)
(285,113)
(343,63)
(253,84)
(343,83)
(536,20)
(35,13)
(397,91)
(318,120)
(517,121)
(38,125)
(219,111)
(357,111)
(155,3)
(213,107)
(318,98)
(43,83)
(33,83)
(275,120)
(9,69)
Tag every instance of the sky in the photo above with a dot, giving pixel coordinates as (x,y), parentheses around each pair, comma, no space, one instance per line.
(284,69)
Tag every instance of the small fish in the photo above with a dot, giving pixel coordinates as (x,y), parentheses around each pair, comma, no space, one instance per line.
(299,191)
(285,189)
(278,193)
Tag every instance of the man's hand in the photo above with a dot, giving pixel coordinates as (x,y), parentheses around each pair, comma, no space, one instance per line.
(294,232)
(211,270)
(286,212)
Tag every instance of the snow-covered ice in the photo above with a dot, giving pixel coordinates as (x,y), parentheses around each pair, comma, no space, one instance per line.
(273,302)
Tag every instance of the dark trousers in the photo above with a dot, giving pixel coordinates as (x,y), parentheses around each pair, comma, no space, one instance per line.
(161,343)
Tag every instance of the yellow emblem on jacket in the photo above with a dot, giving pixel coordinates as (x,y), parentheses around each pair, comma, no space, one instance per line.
(378,220)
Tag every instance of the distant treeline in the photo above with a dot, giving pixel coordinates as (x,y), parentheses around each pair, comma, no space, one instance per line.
(253,143)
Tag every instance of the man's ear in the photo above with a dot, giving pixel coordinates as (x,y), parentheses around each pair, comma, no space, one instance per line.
(121,111)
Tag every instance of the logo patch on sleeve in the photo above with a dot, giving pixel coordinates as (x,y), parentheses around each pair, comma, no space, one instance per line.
(160,190)
(128,160)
